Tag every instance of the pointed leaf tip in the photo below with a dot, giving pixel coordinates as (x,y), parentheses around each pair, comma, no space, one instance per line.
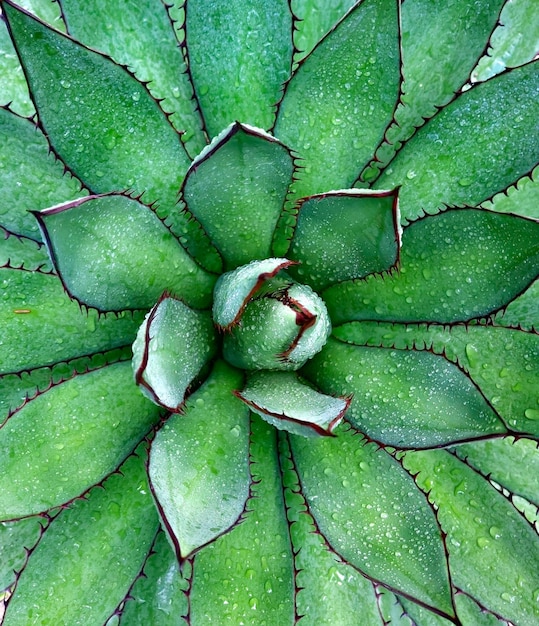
(172,346)
(284,401)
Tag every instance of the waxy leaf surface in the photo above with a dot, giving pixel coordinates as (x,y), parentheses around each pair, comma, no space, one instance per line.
(172,346)
(251,566)
(493,550)
(511,463)
(30,177)
(69,437)
(455,266)
(284,401)
(153,55)
(404,399)
(86,560)
(338,103)
(114,253)
(250,59)
(29,321)
(118,136)
(236,189)
(501,362)
(344,235)
(328,590)
(199,464)
(436,61)
(157,598)
(391,535)
(465,154)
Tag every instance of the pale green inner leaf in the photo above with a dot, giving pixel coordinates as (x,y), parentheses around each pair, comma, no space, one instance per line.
(199,466)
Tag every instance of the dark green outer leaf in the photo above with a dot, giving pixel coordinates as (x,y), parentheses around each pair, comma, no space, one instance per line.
(113,253)
(441,43)
(20,252)
(240,54)
(16,388)
(119,138)
(523,311)
(404,399)
(153,54)
(314,19)
(482,142)
(338,103)
(390,535)
(455,266)
(13,87)
(329,591)
(158,598)
(493,551)
(501,362)
(247,574)
(41,325)
(15,538)
(513,464)
(522,198)
(93,421)
(90,554)
(30,178)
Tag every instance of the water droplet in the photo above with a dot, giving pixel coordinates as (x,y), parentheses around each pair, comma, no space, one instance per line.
(532,414)
(482,542)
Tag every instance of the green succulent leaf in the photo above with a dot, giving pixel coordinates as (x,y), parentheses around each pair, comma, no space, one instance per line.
(279,331)
(236,189)
(458,265)
(15,539)
(501,362)
(436,61)
(248,573)
(47,462)
(328,590)
(314,18)
(117,241)
(118,136)
(404,399)
(29,321)
(30,178)
(522,312)
(391,535)
(434,167)
(13,87)
(284,401)
(242,77)
(172,346)
(86,560)
(154,54)
(522,198)
(199,468)
(511,463)
(20,252)
(344,235)
(493,550)
(338,103)
(514,42)
(233,290)
(158,596)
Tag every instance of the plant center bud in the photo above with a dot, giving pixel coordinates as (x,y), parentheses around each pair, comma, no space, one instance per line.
(279,325)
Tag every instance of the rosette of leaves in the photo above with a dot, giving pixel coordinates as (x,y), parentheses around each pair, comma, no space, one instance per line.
(329,414)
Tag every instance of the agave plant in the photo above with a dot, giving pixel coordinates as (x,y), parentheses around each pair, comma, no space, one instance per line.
(269,321)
